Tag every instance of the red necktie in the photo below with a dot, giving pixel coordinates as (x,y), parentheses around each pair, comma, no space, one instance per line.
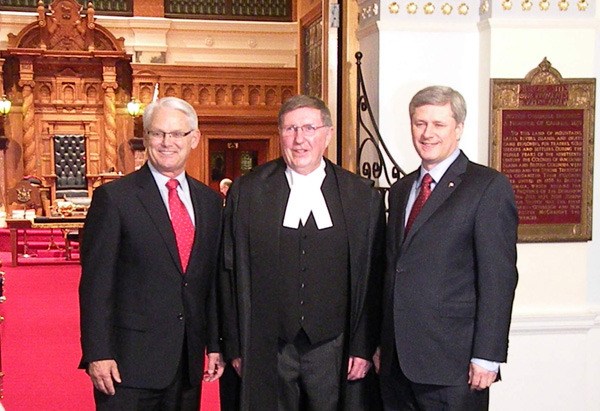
(181,222)
(419,202)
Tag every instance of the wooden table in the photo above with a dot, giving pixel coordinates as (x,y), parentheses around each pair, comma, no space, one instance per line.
(46,223)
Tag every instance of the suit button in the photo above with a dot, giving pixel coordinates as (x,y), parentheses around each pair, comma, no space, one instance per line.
(303,252)
(185,284)
(302,302)
(302,285)
(302,318)
(303,269)
(180,316)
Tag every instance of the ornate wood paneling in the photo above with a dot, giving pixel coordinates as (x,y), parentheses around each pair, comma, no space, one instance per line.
(218,91)
(232,103)
(69,75)
(62,73)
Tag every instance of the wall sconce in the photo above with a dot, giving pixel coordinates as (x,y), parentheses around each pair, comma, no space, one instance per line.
(134,108)
(5,105)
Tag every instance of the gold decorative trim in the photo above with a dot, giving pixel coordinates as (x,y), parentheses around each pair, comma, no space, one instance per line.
(507,5)
(531,118)
(526,5)
(582,5)
(563,5)
(429,8)
(484,7)
(544,5)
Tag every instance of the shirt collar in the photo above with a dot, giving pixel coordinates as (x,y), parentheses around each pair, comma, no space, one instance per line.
(439,170)
(161,179)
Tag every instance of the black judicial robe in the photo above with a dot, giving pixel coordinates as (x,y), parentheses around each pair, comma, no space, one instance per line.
(253,222)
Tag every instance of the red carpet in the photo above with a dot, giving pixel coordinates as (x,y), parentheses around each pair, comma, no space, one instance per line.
(40,341)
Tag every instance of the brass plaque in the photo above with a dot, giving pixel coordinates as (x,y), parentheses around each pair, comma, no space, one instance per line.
(542,131)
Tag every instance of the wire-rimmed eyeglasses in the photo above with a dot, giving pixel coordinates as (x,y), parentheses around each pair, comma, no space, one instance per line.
(308,130)
(160,135)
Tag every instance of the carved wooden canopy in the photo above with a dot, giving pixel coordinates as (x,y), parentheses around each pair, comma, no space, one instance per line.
(64,74)
(65,28)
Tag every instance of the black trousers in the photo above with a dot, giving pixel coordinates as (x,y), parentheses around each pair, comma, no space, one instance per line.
(309,375)
(401,394)
(229,389)
(180,395)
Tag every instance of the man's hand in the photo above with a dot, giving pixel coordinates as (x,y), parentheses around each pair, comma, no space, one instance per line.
(480,378)
(377,359)
(357,368)
(103,373)
(215,367)
(236,363)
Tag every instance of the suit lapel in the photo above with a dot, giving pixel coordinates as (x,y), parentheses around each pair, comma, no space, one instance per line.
(152,202)
(403,195)
(443,189)
(201,230)
(270,196)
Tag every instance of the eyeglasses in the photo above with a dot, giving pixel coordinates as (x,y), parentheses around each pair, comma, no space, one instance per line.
(160,135)
(308,130)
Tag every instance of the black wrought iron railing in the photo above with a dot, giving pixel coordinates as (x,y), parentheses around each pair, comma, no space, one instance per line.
(106,7)
(373,158)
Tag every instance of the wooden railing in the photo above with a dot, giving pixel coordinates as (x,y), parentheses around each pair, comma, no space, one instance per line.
(105,7)
(260,10)
(272,10)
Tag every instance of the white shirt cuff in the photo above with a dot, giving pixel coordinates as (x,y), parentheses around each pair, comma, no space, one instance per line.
(488,365)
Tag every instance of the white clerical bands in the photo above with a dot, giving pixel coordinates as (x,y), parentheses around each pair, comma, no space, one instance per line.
(305,198)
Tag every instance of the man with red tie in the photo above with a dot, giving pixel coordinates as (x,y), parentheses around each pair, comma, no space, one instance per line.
(451,274)
(149,259)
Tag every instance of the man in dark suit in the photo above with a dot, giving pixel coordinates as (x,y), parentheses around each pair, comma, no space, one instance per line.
(149,259)
(303,245)
(451,273)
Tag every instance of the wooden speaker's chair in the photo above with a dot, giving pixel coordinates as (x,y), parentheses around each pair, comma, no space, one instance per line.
(70,166)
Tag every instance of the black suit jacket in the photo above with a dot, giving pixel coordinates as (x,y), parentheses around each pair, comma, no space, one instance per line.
(254,214)
(450,284)
(136,304)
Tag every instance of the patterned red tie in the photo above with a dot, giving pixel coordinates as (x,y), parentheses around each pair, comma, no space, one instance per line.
(419,202)
(181,222)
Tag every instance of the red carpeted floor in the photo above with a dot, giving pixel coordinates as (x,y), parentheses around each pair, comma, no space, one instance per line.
(40,341)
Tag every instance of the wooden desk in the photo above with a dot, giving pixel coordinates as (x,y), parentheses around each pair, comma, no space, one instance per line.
(61,223)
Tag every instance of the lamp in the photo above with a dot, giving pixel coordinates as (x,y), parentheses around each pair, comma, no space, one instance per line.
(5,105)
(134,108)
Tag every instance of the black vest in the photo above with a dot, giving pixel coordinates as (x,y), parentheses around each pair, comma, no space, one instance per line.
(314,275)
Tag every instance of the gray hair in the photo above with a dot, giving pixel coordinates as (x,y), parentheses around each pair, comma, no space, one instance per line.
(225,182)
(174,103)
(302,101)
(439,96)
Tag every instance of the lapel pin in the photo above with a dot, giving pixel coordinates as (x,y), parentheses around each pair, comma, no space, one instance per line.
(451,184)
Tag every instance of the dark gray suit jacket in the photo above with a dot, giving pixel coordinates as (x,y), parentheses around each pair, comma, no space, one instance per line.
(136,303)
(256,205)
(450,284)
